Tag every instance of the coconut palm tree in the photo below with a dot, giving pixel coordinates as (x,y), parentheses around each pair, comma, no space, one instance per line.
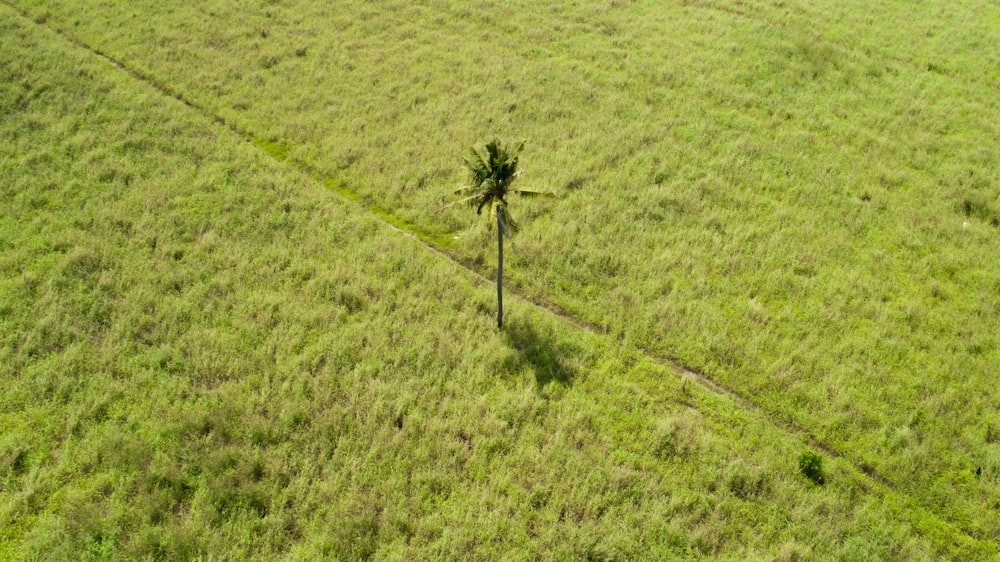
(491,171)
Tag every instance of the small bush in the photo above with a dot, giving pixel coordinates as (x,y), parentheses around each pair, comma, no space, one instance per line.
(811,465)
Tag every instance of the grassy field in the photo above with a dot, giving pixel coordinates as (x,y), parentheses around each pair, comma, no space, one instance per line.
(207,352)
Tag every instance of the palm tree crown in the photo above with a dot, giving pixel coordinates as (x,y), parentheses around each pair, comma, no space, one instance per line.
(491,172)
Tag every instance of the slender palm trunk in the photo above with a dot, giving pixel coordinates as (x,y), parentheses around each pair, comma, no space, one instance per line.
(500,227)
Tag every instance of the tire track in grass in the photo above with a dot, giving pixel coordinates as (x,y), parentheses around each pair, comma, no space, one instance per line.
(941,531)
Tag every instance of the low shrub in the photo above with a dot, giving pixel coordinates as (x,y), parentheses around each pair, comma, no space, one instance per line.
(811,466)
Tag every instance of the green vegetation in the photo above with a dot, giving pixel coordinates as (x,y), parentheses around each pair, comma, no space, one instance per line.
(811,465)
(207,353)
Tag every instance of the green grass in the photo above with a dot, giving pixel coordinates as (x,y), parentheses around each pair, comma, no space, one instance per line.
(209,353)
(807,208)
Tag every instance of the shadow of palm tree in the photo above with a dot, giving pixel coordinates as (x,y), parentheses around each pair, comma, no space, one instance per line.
(541,352)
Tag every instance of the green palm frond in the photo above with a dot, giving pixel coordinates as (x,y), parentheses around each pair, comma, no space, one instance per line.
(508,222)
(491,217)
(480,167)
(470,200)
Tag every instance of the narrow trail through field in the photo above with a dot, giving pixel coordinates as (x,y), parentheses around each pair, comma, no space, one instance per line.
(865,475)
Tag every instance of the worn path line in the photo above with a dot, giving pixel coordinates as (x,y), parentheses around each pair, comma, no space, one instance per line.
(788,426)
